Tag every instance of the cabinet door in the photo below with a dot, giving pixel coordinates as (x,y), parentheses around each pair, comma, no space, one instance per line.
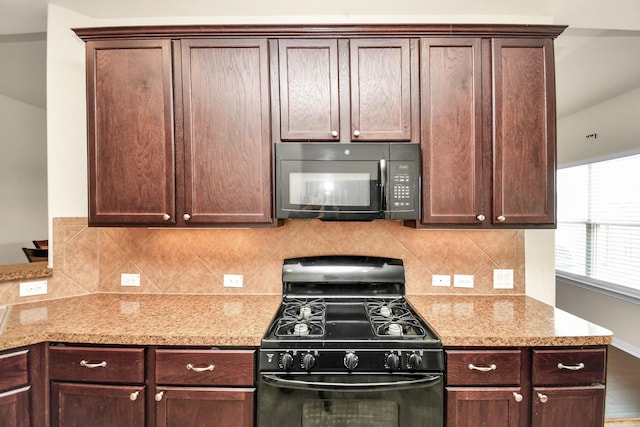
(384,90)
(130,132)
(200,406)
(94,405)
(485,406)
(524,131)
(226,131)
(309,104)
(568,406)
(452,172)
(14,408)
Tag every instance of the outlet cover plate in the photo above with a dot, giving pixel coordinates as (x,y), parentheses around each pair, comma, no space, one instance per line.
(441,280)
(463,281)
(233,280)
(127,279)
(38,287)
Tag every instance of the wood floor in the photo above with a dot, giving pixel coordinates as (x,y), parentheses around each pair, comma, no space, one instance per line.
(623,385)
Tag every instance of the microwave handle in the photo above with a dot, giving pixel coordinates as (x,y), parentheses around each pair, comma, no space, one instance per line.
(383,184)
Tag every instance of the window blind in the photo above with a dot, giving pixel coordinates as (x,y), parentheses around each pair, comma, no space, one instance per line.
(598,235)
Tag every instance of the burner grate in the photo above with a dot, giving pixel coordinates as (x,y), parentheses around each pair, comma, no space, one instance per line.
(393,318)
(302,318)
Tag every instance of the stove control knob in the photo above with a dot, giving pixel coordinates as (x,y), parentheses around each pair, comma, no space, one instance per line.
(415,361)
(350,360)
(393,362)
(308,361)
(286,361)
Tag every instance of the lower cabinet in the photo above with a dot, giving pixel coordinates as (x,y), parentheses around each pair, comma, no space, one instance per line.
(204,387)
(141,386)
(537,387)
(14,389)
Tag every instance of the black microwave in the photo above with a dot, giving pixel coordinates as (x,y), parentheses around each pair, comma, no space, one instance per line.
(347,182)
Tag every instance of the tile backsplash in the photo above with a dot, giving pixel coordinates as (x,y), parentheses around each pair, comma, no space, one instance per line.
(88,259)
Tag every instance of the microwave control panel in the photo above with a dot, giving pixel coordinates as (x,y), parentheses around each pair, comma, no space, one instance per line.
(403,186)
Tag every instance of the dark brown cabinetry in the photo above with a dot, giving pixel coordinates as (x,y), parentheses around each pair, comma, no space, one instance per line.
(14,389)
(204,387)
(568,387)
(97,386)
(346,90)
(537,387)
(109,386)
(178,132)
(488,123)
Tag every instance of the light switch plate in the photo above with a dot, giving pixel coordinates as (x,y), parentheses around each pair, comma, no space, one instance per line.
(503,279)
(463,281)
(129,279)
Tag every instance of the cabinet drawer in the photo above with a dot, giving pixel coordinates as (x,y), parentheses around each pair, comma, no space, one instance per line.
(112,365)
(205,367)
(483,367)
(13,370)
(569,366)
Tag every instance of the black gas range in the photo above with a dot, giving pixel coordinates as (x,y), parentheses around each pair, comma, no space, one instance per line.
(345,326)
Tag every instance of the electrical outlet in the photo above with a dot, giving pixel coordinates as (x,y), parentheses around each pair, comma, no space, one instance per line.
(129,279)
(233,280)
(441,280)
(463,281)
(33,288)
(503,279)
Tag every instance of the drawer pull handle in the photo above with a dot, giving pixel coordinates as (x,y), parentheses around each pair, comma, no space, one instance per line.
(134,396)
(491,367)
(89,365)
(543,397)
(517,397)
(159,396)
(571,367)
(195,369)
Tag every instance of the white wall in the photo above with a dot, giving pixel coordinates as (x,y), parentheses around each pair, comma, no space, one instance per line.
(67,120)
(23,178)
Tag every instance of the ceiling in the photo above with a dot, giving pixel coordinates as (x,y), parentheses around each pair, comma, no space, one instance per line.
(597,57)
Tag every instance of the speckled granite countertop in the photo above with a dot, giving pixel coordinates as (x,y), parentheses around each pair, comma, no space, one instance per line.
(195,320)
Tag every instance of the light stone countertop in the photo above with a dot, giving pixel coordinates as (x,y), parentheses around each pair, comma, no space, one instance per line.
(242,320)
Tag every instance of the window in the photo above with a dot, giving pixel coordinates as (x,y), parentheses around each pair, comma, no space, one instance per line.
(598,235)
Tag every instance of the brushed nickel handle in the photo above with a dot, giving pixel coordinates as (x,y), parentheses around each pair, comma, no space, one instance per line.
(517,397)
(501,218)
(89,365)
(186,217)
(196,369)
(334,133)
(480,218)
(158,396)
(356,133)
(542,397)
(134,396)
(166,217)
(577,367)
(491,367)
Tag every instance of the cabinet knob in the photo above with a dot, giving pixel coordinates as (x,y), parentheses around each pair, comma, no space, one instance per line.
(166,217)
(158,396)
(480,218)
(186,217)
(134,396)
(501,218)
(356,133)
(542,397)
(517,397)
(334,133)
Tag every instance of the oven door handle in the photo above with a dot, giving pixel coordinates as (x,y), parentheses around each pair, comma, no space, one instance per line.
(277,381)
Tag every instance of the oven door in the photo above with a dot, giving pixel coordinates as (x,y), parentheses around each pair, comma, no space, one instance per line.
(350,400)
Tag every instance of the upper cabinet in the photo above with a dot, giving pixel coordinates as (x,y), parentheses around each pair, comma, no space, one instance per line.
(178,132)
(488,125)
(182,119)
(346,90)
